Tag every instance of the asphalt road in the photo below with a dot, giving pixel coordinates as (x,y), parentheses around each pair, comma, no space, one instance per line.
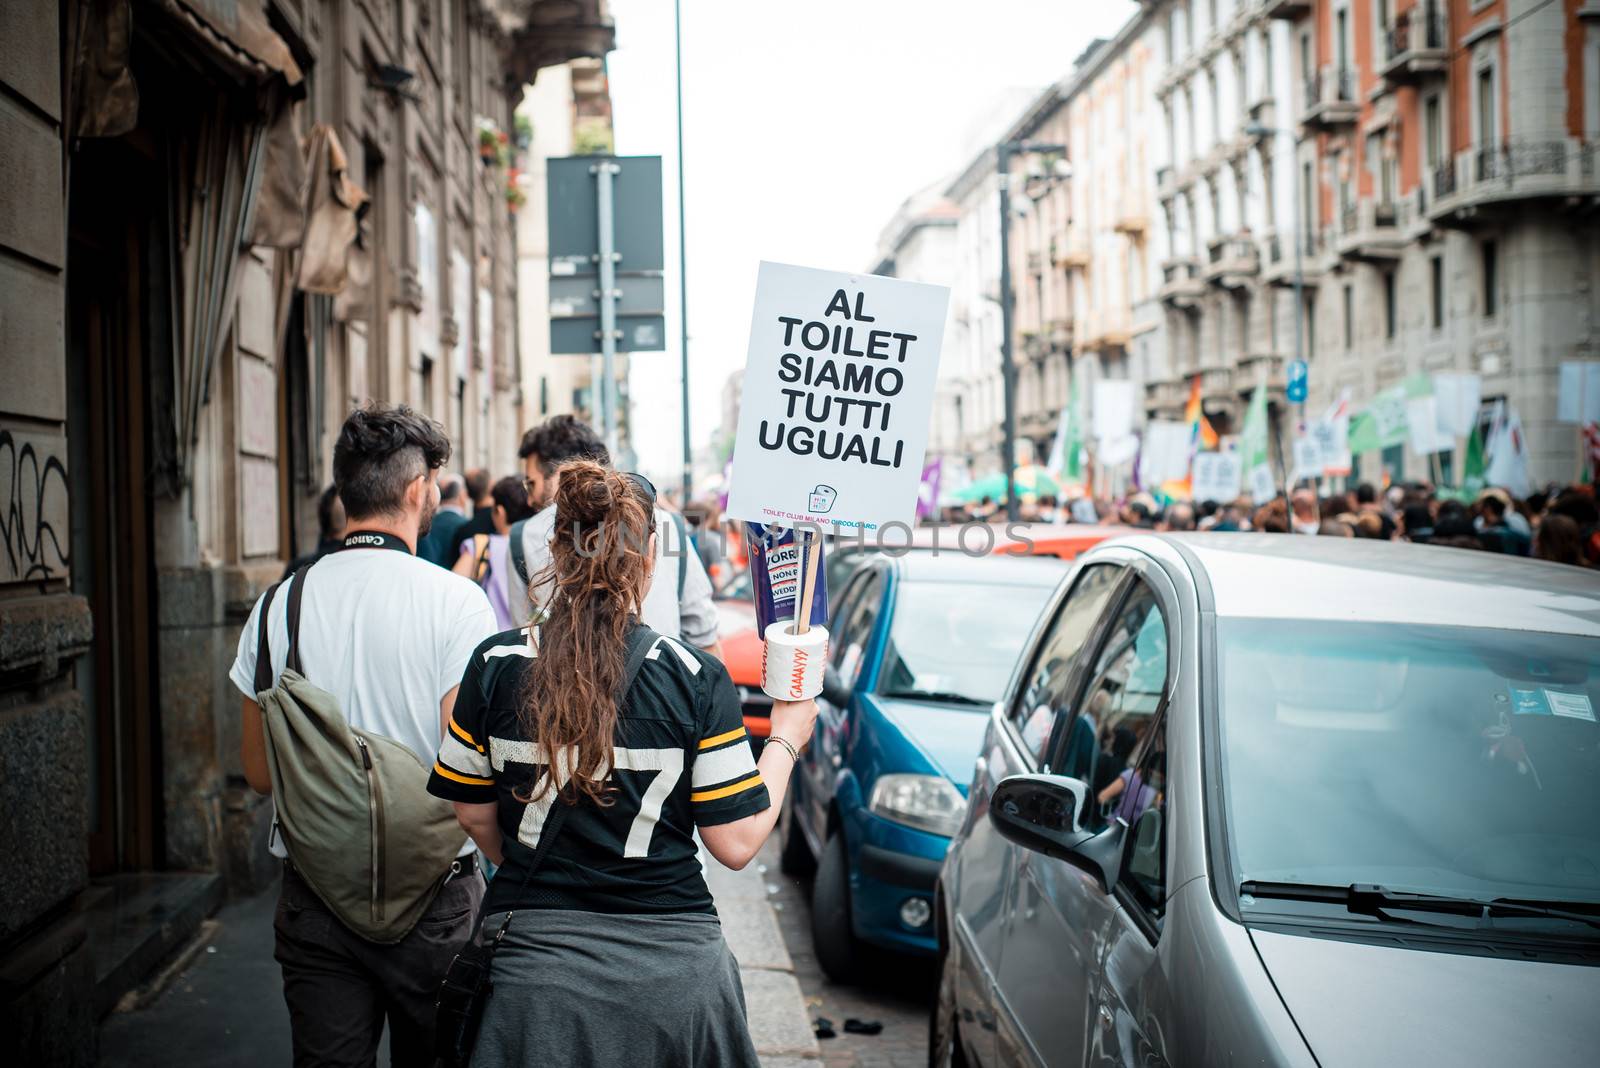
(893,990)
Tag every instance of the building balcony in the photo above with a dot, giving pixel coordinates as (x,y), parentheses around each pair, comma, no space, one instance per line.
(1070,253)
(1166,183)
(1369,230)
(1132,224)
(1216,383)
(1286,9)
(1415,47)
(1477,185)
(1165,396)
(1261,369)
(1232,262)
(1279,269)
(1181,284)
(1035,262)
(1330,99)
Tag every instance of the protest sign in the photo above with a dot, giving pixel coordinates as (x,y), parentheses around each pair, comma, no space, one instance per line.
(1217,476)
(1165,456)
(1307,459)
(1457,398)
(1422,421)
(838,393)
(1254,455)
(1578,392)
(1111,407)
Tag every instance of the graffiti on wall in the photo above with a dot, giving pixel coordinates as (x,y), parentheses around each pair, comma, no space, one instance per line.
(34,536)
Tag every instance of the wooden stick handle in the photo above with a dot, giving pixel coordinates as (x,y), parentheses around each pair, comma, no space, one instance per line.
(802,618)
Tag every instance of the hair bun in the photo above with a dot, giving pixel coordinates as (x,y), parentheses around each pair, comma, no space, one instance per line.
(585,493)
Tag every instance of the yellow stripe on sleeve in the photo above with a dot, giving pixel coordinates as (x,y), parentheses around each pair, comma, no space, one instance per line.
(468,780)
(727,791)
(456,729)
(717,739)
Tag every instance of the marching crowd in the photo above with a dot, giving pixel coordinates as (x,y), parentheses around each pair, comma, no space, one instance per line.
(1556,523)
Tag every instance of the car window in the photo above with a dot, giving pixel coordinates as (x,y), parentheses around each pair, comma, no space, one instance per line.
(1118,709)
(850,640)
(1044,697)
(1142,804)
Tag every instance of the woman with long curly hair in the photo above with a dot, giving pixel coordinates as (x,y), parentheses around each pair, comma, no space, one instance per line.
(587,791)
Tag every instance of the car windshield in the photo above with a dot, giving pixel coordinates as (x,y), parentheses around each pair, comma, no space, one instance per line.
(1448,760)
(957,641)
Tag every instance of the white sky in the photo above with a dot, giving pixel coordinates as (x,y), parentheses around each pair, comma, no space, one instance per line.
(806,123)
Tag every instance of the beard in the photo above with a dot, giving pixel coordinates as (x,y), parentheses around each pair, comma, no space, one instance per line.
(425,520)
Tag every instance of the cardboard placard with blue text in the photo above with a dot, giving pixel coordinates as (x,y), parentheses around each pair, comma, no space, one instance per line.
(837,397)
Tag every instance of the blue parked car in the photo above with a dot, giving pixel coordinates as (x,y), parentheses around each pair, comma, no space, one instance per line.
(922,647)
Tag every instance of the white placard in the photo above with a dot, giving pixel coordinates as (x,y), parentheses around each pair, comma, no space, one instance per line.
(1422,419)
(1307,458)
(1112,409)
(1332,438)
(1166,452)
(838,396)
(1118,450)
(1457,397)
(1217,476)
(1578,396)
(1262,487)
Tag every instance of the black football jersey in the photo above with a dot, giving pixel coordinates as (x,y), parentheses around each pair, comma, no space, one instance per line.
(681,759)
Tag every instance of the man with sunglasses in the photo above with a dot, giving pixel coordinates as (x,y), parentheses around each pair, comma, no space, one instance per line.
(679,601)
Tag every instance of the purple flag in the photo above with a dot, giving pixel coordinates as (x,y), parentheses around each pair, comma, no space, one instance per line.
(928,489)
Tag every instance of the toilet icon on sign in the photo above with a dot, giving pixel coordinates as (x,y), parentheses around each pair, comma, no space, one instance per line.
(821,499)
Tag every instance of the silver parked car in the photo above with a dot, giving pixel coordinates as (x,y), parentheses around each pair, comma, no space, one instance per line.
(1258,799)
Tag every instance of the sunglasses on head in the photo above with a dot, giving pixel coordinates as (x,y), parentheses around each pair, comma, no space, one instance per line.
(644,485)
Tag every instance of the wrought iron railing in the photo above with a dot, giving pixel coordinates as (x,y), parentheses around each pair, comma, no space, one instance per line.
(1415,30)
(1444,179)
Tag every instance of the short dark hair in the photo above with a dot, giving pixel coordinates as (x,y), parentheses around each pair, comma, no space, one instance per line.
(325,508)
(477,483)
(380,450)
(562,438)
(450,487)
(509,493)
(1366,494)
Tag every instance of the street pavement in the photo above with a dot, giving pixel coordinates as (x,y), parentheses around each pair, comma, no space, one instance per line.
(220,1004)
(893,990)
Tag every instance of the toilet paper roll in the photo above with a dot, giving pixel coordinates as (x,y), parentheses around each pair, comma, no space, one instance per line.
(792,664)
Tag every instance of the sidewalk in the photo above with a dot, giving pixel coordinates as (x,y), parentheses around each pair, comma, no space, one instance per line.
(220,1005)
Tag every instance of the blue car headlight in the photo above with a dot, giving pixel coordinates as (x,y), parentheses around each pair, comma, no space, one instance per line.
(926,802)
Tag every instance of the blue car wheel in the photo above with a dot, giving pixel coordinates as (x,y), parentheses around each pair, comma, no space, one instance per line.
(831,936)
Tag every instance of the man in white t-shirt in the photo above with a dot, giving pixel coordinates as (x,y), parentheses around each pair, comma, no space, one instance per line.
(678,603)
(388,635)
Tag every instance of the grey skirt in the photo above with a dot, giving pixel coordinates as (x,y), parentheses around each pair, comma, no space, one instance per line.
(588,988)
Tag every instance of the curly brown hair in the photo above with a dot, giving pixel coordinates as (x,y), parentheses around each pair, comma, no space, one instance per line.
(599,573)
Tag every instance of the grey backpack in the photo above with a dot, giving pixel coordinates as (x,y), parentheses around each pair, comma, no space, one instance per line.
(353,806)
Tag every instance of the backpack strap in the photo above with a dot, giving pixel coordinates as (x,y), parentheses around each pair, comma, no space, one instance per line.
(296,590)
(519,555)
(264,672)
(683,545)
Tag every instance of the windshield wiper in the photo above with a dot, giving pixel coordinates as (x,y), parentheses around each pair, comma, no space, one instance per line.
(1370,899)
(946,696)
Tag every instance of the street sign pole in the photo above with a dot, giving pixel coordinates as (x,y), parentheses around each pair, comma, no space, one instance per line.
(603,172)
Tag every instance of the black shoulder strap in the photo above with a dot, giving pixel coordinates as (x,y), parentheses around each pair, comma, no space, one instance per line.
(264,673)
(642,640)
(297,589)
(683,548)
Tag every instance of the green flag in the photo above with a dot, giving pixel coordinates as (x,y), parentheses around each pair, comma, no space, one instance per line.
(1255,460)
(1066,452)
(1385,421)
(1472,468)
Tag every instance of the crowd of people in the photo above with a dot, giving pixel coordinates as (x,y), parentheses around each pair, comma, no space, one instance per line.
(1556,523)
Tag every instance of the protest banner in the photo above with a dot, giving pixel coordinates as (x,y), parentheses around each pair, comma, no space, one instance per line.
(1165,456)
(838,394)
(1217,476)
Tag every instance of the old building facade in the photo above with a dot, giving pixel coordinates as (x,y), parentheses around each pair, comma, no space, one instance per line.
(223,224)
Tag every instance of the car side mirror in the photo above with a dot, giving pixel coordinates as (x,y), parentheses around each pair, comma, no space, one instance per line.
(834,689)
(1045,813)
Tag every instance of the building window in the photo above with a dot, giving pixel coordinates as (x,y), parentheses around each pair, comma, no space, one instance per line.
(1436,291)
(1342,24)
(1308,216)
(1311,324)
(1172,38)
(1349,317)
(1486,107)
(1266,64)
(1432,131)
(1388,305)
(1491,280)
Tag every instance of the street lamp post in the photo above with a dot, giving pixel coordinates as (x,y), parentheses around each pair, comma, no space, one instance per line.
(1008,368)
(683,264)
